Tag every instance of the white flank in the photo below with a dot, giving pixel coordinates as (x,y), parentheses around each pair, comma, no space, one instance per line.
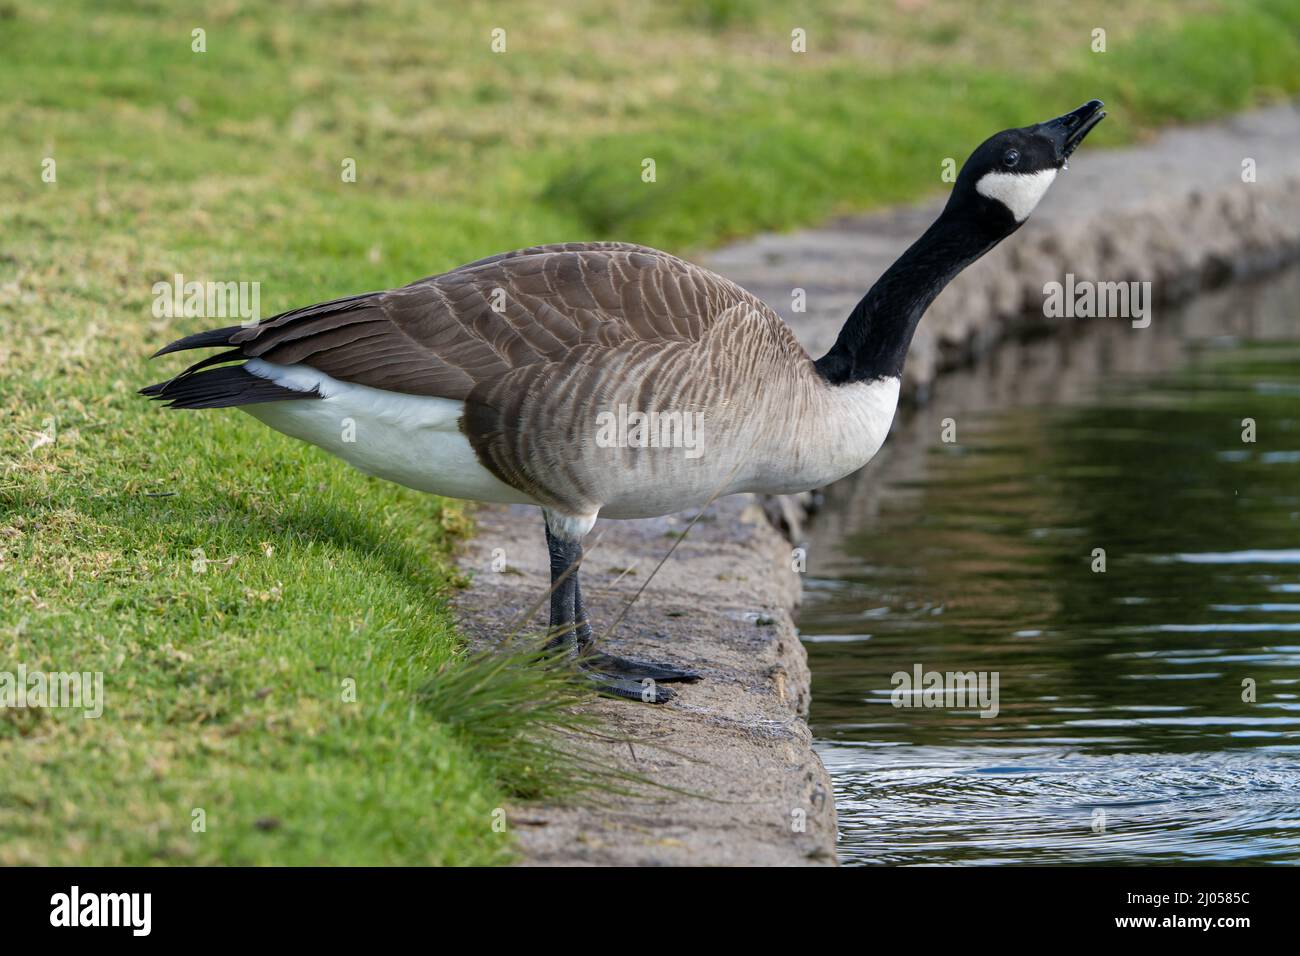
(1019,192)
(413,440)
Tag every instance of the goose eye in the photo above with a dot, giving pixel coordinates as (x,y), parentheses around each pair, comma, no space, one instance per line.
(1011,158)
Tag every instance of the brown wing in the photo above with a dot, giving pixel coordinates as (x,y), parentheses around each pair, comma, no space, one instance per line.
(447,334)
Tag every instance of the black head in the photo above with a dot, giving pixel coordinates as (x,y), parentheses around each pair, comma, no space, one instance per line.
(1004,179)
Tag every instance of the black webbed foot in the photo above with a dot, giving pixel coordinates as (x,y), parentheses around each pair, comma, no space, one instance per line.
(645,690)
(636,670)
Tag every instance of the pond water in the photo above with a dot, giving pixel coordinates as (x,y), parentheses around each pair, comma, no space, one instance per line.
(1126,729)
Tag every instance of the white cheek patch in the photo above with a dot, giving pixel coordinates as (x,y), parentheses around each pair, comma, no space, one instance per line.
(1019,192)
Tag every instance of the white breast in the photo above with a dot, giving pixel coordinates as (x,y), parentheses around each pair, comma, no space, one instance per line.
(412,440)
(869,410)
(832,437)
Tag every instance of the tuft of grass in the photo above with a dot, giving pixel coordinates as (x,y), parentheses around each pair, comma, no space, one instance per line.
(532,715)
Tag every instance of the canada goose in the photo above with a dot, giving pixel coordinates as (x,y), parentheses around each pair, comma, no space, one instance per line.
(497,380)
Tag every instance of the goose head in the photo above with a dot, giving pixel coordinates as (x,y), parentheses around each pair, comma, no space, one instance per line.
(996,190)
(1006,177)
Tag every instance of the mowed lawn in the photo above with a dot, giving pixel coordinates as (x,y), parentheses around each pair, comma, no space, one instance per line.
(272,627)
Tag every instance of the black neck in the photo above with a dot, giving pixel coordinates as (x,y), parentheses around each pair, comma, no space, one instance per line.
(874,340)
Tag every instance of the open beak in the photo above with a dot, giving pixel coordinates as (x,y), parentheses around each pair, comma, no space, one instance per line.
(1067,132)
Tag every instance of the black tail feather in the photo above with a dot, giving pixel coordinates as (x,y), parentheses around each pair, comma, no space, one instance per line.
(220,358)
(201,340)
(221,388)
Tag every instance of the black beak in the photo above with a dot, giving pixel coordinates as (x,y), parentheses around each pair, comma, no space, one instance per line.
(1067,132)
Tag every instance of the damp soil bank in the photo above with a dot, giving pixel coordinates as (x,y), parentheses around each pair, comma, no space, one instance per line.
(1176,212)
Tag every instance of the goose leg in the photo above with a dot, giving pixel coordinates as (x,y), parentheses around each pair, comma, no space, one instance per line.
(570,634)
(562,635)
(583,631)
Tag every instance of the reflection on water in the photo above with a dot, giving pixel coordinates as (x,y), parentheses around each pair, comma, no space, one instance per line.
(1122,735)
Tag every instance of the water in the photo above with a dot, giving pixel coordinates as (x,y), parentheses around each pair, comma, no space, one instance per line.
(1121,736)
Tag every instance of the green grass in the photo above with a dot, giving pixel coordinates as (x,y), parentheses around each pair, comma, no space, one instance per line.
(225,686)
